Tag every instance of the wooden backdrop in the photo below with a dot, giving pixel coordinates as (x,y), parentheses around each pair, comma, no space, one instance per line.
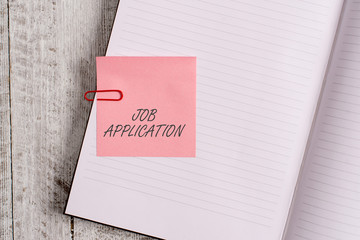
(47,54)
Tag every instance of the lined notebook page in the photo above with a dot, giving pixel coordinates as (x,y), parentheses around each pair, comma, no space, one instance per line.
(260,66)
(328,200)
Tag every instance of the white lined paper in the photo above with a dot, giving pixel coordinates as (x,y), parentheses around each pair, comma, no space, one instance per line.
(260,69)
(327,203)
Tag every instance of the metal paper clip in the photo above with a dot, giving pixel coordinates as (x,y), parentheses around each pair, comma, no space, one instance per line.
(121,95)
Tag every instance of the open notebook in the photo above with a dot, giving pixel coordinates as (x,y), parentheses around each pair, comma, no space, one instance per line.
(261,68)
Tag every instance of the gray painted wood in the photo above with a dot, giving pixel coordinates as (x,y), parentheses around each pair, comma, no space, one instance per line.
(5,138)
(52,57)
(90,230)
(40,151)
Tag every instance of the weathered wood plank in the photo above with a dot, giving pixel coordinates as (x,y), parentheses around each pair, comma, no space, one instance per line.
(5,137)
(40,111)
(86,230)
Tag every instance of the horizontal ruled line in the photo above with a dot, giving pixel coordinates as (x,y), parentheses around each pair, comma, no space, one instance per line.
(187,187)
(131,189)
(193,181)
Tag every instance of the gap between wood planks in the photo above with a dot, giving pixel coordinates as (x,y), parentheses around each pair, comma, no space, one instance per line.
(10,154)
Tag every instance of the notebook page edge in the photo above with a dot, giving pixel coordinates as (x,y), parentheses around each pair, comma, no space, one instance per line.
(311,131)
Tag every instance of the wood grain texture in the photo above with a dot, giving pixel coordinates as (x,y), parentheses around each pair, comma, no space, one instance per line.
(5,134)
(39,82)
(90,230)
(52,57)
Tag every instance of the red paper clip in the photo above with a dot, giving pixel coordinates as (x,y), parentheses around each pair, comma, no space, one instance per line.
(105,99)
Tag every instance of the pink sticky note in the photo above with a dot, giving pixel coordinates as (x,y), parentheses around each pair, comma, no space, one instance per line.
(156,116)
